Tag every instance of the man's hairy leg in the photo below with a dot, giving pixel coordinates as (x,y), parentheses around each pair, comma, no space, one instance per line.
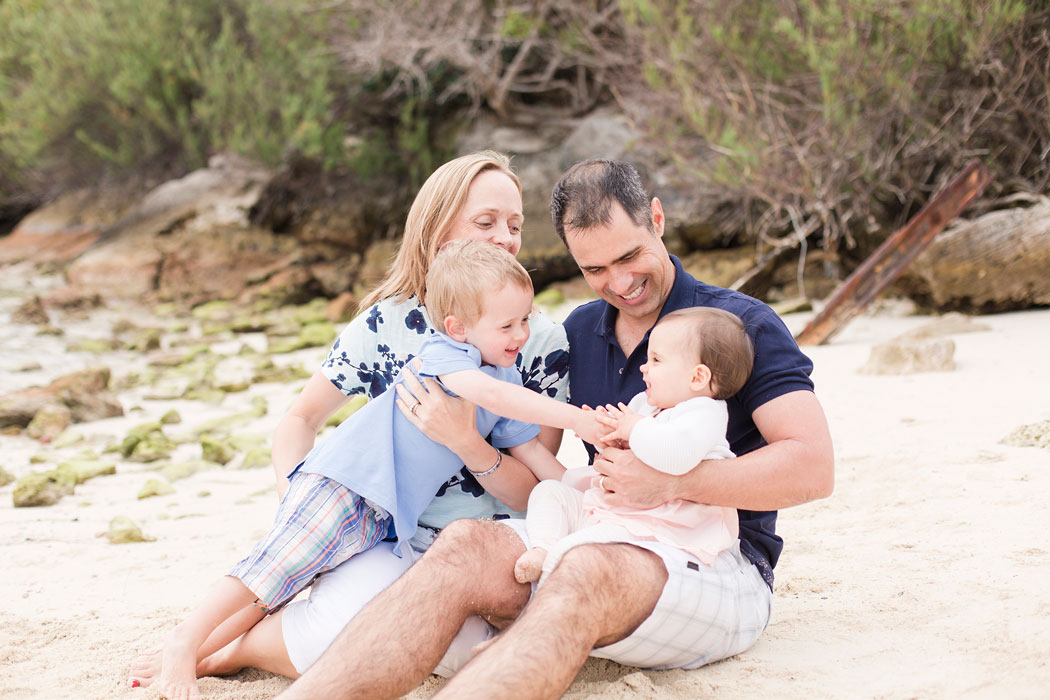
(597,595)
(396,640)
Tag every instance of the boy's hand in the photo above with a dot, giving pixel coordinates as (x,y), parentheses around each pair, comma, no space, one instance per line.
(619,422)
(588,428)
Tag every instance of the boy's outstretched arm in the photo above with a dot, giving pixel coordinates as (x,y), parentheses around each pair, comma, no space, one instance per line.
(517,402)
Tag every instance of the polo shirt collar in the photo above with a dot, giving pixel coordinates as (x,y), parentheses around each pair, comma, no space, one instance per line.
(680,297)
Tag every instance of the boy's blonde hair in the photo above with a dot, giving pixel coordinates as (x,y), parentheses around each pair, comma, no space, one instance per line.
(429,220)
(463,274)
(719,340)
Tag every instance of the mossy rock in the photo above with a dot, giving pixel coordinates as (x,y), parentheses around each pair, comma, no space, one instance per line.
(6,477)
(174,471)
(123,530)
(93,345)
(346,410)
(550,298)
(135,436)
(42,489)
(206,394)
(68,438)
(170,418)
(80,470)
(266,370)
(314,311)
(50,330)
(145,339)
(152,447)
(217,449)
(213,311)
(257,458)
(49,422)
(155,486)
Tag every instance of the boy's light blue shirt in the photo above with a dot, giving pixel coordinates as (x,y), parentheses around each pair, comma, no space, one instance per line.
(378,454)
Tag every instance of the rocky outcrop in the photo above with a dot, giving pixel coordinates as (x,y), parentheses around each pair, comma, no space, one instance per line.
(84,394)
(997,262)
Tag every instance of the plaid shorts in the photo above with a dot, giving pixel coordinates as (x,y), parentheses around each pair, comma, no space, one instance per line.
(319,525)
(704,614)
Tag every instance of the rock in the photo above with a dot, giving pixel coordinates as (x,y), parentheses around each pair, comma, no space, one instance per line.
(346,410)
(135,435)
(123,530)
(6,477)
(42,489)
(319,334)
(224,424)
(1031,435)
(62,228)
(216,449)
(948,324)
(155,486)
(256,458)
(50,330)
(170,418)
(49,422)
(720,267)
(31,312)
(97,346)
(30,366)
(152,447)
(85,393)
(181,470)
(550,298)
(904,355)
(80,470)
(268,371)
(342,308)
(996,262)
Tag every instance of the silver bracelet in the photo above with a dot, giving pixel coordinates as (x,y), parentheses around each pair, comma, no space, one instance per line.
(494,467)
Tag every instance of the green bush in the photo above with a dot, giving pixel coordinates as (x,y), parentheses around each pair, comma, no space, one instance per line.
(125,81)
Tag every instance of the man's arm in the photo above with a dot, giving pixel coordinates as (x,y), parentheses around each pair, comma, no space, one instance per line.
(796,466)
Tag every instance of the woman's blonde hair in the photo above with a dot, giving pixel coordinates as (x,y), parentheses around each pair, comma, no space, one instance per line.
(464,273)
(430,218)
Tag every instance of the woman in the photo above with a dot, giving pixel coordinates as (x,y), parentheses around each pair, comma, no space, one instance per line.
(478,197)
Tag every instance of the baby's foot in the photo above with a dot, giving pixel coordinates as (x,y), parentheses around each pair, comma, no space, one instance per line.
(178,674)
(530,565)
(145,668)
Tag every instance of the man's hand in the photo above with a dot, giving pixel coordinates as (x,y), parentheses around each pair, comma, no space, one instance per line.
(630,482)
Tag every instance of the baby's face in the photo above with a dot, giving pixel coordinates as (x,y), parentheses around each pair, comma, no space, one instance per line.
(671,366)
(503,327)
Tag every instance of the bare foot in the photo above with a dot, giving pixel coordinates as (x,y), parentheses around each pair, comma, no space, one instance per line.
(145,668)
(530,565)
(178,674)
(482,646)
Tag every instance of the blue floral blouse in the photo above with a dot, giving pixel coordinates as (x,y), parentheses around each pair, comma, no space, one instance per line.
(374,347)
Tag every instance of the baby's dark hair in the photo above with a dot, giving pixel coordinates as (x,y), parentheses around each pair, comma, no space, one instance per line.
(720,342)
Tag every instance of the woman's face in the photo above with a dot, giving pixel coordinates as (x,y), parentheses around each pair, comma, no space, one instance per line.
(491,213)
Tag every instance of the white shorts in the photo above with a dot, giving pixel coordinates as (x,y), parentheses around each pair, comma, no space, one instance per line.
(705,613)
(310,625)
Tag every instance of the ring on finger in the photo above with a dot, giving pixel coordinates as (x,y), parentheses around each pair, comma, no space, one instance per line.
(414,407)
(601,483)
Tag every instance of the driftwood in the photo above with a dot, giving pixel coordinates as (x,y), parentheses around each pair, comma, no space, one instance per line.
(890,260)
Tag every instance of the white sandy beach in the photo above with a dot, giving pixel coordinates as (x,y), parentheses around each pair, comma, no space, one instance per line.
(925,575)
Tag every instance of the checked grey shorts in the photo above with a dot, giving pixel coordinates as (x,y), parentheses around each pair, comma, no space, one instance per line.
(704,614)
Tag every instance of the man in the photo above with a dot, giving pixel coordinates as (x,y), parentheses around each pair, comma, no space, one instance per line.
(640,603)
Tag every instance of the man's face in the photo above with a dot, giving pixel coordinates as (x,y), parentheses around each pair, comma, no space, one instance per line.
(626,264)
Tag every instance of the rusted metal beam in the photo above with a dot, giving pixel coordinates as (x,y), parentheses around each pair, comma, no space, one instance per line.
(895,254)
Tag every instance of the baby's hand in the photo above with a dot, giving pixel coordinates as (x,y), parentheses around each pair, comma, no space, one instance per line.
(620,421)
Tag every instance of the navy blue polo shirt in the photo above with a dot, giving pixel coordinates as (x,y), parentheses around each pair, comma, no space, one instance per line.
(599,373)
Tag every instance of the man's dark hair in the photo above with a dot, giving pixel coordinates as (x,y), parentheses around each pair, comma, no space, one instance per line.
(583,197)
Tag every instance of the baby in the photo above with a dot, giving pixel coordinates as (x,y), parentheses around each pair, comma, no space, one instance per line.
(697,358)
(373,477)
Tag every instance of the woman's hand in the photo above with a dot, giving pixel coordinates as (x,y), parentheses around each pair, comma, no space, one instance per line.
(445,419)
(628,481)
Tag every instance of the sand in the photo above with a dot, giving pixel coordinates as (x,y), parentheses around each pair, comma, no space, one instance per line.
(923,575)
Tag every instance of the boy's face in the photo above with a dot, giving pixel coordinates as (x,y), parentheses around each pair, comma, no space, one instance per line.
(670,372)
(503,327)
